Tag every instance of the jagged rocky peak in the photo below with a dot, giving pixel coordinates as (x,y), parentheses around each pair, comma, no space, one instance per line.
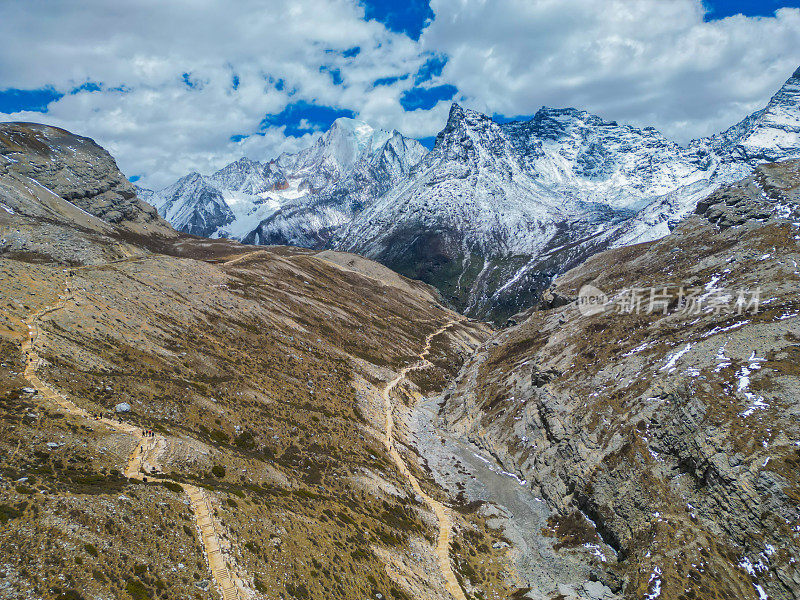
(770,134)
(587,157)
(335,152)
(249,176)
(558,124)
(350,165)
(385,160)
(468,128)
(194,205)
(555,123)
(192,178)
(363,134)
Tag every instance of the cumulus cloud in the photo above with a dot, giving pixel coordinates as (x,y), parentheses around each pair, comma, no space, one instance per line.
(645,62)
(177,80)
(172,87)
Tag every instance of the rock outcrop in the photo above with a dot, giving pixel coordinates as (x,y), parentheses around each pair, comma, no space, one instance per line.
(74,168)
(661,426)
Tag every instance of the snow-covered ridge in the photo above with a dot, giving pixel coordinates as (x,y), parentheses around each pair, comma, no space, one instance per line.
(235,200)
(494,211)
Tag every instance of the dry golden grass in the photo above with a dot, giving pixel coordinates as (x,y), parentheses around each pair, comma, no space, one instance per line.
(252,365)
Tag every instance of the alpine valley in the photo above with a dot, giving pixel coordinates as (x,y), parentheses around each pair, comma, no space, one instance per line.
(494,211)
(187,416)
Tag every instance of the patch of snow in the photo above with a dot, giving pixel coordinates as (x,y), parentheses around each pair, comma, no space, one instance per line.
(493,467)
(655,584)
(669,367)
(748,566)
(639,348)
(596,551)
(720,329)
(724,361)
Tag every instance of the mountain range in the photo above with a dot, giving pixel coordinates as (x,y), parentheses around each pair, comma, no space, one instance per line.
(184,417)
(494,211)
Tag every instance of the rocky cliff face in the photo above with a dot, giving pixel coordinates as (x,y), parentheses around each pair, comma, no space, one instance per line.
(74,168)
(660,422)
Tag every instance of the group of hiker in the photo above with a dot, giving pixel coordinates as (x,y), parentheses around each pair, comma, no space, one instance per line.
(101,416)
(148,433)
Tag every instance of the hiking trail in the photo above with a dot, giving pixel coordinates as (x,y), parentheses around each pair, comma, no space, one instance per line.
(142,462)
(439,509)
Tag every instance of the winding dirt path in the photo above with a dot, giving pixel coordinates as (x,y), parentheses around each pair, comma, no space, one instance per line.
(243,257)
(142,462)
(439,509)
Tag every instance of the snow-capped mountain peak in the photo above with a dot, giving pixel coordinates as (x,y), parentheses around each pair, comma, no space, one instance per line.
(351,159)
(495,210)
(335,152)
(769,134)
(249,177)
(364,135)
(206,212)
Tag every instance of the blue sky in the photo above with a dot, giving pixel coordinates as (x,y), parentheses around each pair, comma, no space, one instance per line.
(13,100)
(401,16)
(168,90)
(719,9)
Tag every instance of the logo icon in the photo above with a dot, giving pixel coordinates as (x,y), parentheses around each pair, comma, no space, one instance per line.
(591,301)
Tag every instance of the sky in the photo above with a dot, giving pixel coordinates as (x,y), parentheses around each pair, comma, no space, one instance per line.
(191,85)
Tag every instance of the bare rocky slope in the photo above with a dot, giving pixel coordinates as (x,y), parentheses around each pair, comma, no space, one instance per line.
(665,442)
(74,168)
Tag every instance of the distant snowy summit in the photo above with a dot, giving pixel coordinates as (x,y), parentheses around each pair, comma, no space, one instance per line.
(351,159)
(494,211)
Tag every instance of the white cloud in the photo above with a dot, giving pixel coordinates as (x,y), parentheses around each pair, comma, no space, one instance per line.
(161,128)
(639,61)
(645,62)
